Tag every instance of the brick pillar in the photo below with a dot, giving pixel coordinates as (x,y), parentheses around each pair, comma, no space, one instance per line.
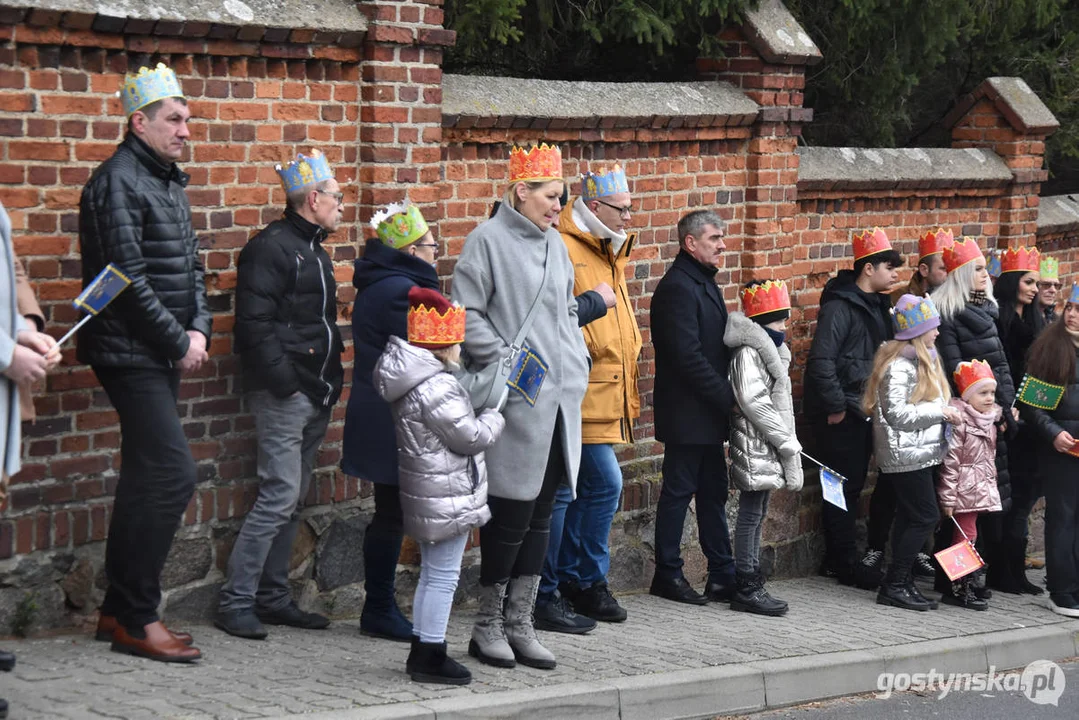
(401,106)
(1005,116)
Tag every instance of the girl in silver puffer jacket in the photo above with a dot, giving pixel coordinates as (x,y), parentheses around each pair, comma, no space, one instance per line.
(907,396)
(443,478)
(763,445)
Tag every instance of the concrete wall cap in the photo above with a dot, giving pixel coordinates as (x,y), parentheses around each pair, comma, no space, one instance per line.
(778,37)
(579,102)
(325,15)
(1015,100)
(1058,213)
(835,168)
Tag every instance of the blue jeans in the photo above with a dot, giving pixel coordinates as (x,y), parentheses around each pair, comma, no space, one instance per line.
(440,569)
(578,550)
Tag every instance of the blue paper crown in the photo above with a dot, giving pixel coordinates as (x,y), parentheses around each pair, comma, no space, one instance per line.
(149,86)
(304,170)
(993,266)
(604,183)
(1074,297)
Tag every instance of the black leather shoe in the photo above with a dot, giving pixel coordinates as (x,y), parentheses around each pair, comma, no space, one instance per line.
(3,709)
(719,592)
(557,616)
(569,589)
(898,595)
(7,661)
(293,616)
(597,603)
(678,590)
(240,623)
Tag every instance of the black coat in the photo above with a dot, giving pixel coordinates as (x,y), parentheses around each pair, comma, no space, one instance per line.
(383,277)
(134,213)
(1016,339)
(1047,424)
(851,325)
(286,312)
(693,396)
(971,334)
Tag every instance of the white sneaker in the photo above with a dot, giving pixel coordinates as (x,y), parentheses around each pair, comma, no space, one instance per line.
(1067,610)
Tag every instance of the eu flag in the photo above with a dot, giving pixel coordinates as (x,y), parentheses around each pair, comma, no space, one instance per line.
(831,485)
(109,283)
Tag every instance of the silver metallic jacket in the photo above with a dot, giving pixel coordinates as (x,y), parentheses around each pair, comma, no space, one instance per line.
(764,448)
(440,443)
(906,436)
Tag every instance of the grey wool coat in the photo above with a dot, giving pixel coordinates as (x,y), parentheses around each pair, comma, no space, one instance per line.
(496,279)
(11,322)
(764,447)
(440,443)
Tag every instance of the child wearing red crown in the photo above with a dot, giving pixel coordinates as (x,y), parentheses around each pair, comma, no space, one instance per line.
(1054,359)
(907,396)
(443,476)
(764,449)
(967,485)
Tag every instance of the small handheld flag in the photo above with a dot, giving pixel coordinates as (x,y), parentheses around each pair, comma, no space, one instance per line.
(960,559)
(831,484)
(104,288)
(1040,394)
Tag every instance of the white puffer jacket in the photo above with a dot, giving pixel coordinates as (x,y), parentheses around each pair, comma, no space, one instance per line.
(906,436)
(440,443)
(764,448)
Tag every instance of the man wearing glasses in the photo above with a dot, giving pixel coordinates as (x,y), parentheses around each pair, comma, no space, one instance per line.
(290,349)
(1049,287)
(573,591)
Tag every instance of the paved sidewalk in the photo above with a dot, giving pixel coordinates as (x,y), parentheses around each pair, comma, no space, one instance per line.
(666,661)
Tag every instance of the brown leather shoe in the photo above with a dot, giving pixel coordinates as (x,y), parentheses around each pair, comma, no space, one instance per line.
(159,644)
(106,626)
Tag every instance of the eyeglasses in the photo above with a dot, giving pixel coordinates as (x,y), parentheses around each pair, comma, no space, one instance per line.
(338,196)
(433,246)
(622,211)
(1047,284)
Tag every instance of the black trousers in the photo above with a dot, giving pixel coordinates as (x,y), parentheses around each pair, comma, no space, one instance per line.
(1061,483)
(513,543)
(690,470)
(882,506)
(845,448)
(1026,482)
(157,480)
(916,516)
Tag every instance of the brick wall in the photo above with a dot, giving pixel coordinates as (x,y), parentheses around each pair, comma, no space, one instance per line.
(376,108)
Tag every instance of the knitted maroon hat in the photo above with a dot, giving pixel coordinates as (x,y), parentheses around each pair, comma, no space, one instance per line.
(433,321)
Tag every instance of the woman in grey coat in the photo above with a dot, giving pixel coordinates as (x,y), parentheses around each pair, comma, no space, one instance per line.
(499,275)
(764,447)
(443,478)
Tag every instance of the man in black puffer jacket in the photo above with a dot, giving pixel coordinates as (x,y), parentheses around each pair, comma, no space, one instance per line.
(854,319)
(290,348)
(134,213)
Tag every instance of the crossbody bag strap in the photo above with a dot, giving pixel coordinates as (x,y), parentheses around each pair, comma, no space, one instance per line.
(518,341)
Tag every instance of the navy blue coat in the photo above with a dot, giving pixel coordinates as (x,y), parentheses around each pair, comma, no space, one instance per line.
(383,277)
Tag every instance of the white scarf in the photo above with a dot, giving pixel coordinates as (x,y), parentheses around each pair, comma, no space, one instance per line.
(586,221)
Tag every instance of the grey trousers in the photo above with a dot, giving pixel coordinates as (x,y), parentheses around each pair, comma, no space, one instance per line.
(289,431)
(752,507)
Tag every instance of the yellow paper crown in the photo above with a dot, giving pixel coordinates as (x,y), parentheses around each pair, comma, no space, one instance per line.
(398,225)
(539,164)
(304,170)
(149,86)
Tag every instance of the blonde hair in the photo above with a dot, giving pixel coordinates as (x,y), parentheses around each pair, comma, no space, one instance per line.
(952,296)
(450,355)
(511,198)
(932,383)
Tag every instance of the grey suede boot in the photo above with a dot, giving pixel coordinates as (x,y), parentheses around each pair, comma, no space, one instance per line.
(519,629)
(488,643)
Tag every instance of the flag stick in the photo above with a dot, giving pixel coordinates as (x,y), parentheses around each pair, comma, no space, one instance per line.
(73,330)
(809,457)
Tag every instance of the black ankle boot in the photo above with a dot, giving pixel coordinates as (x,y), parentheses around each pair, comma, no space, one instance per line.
(963,595)
(410,662)
(897,594)
(913,590)
(431,664)
(977,583)
(1018,561)
(750,596)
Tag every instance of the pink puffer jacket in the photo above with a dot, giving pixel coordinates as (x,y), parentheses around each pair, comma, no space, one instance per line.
(968,477)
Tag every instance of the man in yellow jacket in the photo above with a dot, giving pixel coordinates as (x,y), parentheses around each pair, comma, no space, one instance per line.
(578,557)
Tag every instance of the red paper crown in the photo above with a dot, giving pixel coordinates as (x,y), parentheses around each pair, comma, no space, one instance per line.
(968,373)
(433,321)
(869,243)
(934,242)
(1020,259)
(961,252)
(539,164)
(767,297)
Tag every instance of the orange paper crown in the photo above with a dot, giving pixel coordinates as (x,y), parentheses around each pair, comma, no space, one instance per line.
(539,164)
(869,243)
(1020,259)
(767,297)
(962,251)
(934,242)
(433,322)
(968,374)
